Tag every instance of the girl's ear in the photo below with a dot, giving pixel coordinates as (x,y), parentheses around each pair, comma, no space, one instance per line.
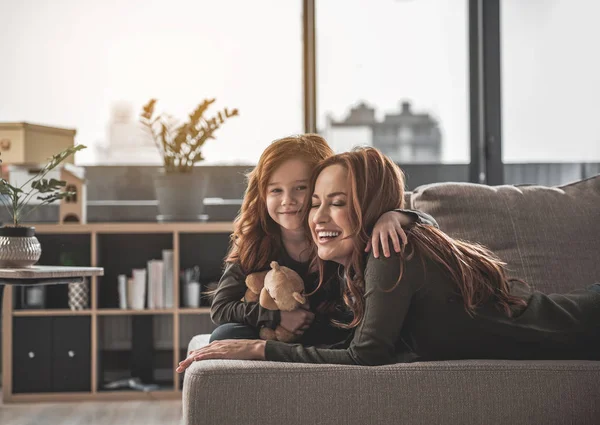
(266,301)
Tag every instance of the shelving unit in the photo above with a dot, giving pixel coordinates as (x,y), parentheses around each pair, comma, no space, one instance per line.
(118,248)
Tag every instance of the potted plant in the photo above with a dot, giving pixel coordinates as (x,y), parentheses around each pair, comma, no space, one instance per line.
(18,245)
(179,190)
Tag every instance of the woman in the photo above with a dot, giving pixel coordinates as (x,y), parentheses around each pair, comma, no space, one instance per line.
(440,299)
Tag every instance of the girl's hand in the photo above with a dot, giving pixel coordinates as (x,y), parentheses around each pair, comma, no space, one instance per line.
(239,349)
(297,321)
(389,225)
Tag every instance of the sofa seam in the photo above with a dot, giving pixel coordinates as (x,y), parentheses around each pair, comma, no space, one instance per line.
(387,371)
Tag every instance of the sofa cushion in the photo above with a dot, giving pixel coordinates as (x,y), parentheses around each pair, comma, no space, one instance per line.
(549,236)
(470,392)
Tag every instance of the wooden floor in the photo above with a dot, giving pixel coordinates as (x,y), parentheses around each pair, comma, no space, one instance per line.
(93,413)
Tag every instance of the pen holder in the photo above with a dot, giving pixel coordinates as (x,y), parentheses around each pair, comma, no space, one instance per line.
(79,296)
(192,294)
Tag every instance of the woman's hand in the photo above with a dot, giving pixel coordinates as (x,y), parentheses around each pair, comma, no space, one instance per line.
(238,349)
(389,225)
(297,321)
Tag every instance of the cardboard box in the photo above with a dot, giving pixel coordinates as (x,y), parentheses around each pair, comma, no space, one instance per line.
(22,143)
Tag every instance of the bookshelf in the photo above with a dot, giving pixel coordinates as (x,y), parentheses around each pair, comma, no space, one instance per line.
(111,338)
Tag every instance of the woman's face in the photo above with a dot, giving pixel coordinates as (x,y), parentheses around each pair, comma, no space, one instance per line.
(328,218)
(287,193)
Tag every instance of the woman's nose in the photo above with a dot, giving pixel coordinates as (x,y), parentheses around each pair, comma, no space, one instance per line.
(320,215)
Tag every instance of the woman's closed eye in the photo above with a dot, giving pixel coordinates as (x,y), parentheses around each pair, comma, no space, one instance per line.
(334,204)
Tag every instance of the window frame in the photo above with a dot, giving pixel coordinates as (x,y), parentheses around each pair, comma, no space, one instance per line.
(485,121)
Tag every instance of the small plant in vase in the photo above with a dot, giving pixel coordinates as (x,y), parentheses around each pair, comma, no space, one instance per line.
(18,245)
(180,194)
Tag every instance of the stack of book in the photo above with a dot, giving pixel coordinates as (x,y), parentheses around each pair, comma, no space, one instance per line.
(151,287)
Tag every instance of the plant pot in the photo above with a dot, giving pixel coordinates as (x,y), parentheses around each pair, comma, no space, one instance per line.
(19,247)
(181,196)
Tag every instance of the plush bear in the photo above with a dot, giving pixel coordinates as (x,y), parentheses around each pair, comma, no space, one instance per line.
(280,288)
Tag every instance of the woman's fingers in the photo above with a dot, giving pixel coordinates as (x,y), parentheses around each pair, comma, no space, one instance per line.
(192,355)
(183,365)
(223,349)
(396,239)
(375,244)
(211,355)
(385,244)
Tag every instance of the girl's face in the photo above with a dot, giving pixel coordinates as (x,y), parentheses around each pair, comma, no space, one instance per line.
(286,193)
(329,219)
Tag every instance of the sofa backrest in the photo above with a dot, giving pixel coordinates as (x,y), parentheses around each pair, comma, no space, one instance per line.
(549,236)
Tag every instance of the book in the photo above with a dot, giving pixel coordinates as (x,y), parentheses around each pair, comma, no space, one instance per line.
(167,255)
(122,282)
(155,284)
(138,289)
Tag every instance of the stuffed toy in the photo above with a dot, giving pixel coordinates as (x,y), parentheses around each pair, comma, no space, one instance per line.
(280,288)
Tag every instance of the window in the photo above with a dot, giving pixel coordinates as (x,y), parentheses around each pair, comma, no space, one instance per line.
(92,65)
(394,75)
(550,89)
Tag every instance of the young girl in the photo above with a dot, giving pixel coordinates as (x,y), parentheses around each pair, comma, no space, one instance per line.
(270,227)
(440,299)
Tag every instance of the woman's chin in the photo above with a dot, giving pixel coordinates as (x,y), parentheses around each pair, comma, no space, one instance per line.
(326,255)
(323,255)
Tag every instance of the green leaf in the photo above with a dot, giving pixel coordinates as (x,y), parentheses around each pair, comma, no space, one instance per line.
(19,204)
(45,185)
(7,189)
(52,197)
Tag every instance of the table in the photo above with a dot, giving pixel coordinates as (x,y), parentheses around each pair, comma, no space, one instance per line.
(45,275)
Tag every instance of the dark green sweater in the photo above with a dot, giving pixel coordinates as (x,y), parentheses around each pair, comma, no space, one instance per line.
(424,318)
(226,306)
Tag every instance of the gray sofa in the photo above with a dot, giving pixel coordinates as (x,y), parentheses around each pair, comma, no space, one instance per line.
(550,237)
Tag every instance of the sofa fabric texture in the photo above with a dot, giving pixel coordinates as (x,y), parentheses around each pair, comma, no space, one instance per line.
(454,392)
(549,236)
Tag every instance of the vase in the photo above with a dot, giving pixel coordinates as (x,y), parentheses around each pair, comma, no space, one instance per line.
(181,196)
(79,295)
(19,247)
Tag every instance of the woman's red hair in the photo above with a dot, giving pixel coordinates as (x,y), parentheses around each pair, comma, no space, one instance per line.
(376,185)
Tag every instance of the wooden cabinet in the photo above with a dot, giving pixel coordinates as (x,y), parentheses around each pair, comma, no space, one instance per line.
(58,354)
(32,354)
(51,354)
(71,349)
